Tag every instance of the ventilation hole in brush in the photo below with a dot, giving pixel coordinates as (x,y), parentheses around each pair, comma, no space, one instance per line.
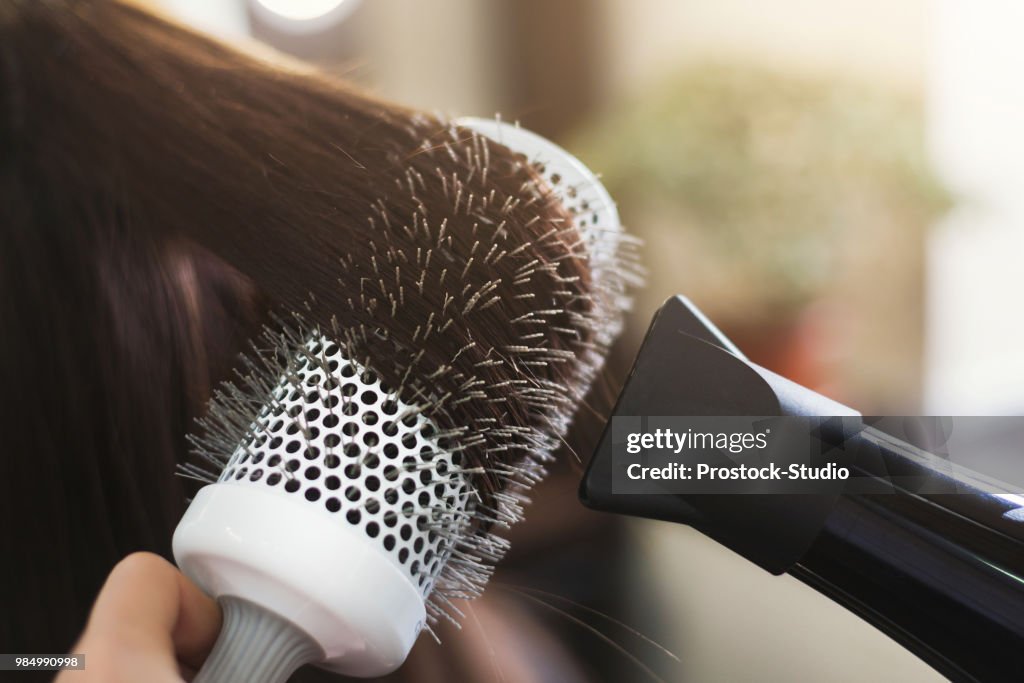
(371,439)
(293,447)
(353,517)
(292,485)
(312,473)
(311,453)
(352,493)
(273,479)
(332,504)
(292,465)
(350,429)
(312,494)
(256,474)
(370,417)
(332,482)
(331,421)
(331,461)
(389,542)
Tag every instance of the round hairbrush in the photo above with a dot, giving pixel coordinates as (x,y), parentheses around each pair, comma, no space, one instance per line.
(351,503)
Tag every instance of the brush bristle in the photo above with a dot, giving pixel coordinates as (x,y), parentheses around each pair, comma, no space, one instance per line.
(481,311)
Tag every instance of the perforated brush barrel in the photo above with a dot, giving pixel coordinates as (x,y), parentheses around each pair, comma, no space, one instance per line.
(594,213)
(335,436)
(342,521)
(338,513)
(576,186)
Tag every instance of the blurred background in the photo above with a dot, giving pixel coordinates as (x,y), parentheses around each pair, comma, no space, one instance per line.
(835,182)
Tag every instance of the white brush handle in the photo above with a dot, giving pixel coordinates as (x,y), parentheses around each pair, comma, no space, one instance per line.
(327,579)
(257,646)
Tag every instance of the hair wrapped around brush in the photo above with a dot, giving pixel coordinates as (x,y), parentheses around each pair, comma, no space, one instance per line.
(163,193)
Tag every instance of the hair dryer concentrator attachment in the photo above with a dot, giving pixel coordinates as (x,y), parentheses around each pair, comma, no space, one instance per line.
(687,367)
(941,574)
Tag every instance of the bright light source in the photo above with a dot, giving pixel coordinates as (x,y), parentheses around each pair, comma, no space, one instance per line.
(303,16)
(300,10)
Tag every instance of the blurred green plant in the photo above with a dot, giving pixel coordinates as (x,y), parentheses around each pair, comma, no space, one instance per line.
(776,172)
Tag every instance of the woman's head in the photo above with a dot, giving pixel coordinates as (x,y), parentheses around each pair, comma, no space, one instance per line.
(163,194)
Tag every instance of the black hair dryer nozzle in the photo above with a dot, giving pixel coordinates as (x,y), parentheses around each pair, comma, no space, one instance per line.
(937,565)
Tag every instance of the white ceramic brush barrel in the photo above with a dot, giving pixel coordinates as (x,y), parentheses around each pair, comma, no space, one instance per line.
(328,527)
(334,517)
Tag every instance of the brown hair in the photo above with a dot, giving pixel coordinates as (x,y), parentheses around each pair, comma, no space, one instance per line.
(163,192)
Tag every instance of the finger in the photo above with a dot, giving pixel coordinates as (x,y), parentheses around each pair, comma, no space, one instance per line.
(153,613)
(199,622)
